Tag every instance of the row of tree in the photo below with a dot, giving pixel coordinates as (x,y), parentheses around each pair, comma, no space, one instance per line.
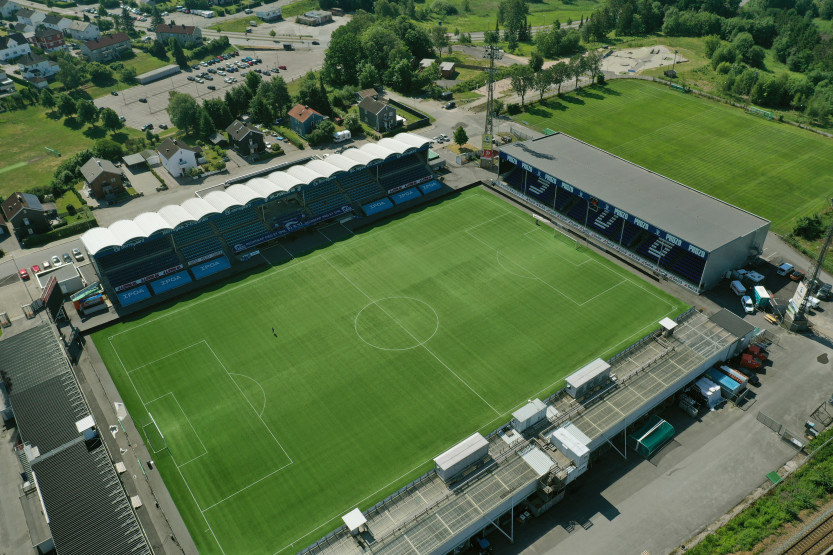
(534,78)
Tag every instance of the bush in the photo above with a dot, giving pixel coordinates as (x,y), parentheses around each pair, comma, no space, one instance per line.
(809,227)
(441,7)
(63,232)
(513,108)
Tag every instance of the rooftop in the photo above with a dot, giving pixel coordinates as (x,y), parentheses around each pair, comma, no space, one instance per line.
(18,201)
(373,106)
(175,29)
(682,211)
(169,147)
(238,130)
(302,113)
(106,40)
(97,166)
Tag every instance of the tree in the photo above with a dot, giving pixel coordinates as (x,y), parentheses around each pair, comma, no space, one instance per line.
(155,17)
(512,15)
(253,81)
(259,108)
(182,109)
(272,33)
(439,38)
(110,120)
(157,50)
(237,100)
(342,59)
(204,126)
(87,112)
(108,149)
(278,96)
(560,72)
(491,37)
(69,74)
(522,80)
(593,64)
(352,122)
(710,42)
(542,82)
(536,61)
(99,74)
(102,11)
(368,76)
(126,20)
(322,134)
(128,74)
(577,68)
(47,100)
(460,136)
(218,112)
(179,56)
(66,105)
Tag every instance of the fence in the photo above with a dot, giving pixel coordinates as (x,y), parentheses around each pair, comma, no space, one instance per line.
(421,122)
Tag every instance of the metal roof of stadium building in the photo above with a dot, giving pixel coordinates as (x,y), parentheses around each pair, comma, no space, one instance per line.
(689,214)
(254,190)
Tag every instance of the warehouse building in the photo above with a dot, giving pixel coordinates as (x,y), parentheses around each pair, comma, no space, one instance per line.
(678,232)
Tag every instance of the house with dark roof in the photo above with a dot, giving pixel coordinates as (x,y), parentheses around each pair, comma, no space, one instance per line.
(26,214)
(367,93)
(48,39)
(378,115)
(13,46)
(36,69)
(106,48)
(303,119)
(178,157)
(72,498)
(245,138)
(6,84)
(83,30)
(30,17)
(8,8)
(56,22)
(103,178)
(182,33)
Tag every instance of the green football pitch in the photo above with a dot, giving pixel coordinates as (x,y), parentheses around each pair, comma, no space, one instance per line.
(771,169)
(388,348)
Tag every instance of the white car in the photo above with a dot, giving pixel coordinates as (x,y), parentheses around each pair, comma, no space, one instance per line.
(56,261)
(748,305)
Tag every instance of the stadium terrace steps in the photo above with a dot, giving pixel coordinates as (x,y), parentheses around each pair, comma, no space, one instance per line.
(320,206)
(355,179)
(630,234)
(193,233)
(406,176)
(129,255)
(244,233)
(196,250)
(144,268)
(319,190)
(368,192)
(543,191)
(235,219)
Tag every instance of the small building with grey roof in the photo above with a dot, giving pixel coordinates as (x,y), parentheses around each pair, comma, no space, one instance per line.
(676,231)
(103,178)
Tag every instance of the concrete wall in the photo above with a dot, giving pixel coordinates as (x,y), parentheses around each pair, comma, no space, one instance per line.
(734,254)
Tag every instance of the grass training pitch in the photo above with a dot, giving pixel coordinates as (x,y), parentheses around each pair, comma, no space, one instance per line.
(771,169)
(388,348)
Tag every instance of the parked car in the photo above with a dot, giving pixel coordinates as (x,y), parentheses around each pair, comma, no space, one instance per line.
(195,66)
(122,118)
(315,42)
(24,275)
(163,126)
(114,93)
(748,305)
(212,88)
(282,67)
(77,254)
(56,261)
(35,269)
(797,275)
(143,100)
(67,258)
(191,78)
(46,265)
(450,105)
(147,126)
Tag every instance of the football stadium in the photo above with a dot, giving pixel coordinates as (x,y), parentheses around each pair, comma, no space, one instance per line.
(347,354)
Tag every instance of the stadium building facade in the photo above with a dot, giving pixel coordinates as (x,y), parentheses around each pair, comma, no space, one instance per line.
(160,253)
(678,232)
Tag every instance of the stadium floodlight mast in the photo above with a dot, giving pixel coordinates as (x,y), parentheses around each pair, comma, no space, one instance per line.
(798,321)
(491,52)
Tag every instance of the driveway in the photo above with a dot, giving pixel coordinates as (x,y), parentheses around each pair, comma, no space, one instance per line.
(142,179)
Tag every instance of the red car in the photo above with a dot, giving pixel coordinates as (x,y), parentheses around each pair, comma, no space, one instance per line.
(282,67)
(35,269)
(24,275)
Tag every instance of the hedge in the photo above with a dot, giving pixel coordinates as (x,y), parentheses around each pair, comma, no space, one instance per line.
(62,233)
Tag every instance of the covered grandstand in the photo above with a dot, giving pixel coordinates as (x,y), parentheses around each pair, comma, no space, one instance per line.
(676,231)
(160,251)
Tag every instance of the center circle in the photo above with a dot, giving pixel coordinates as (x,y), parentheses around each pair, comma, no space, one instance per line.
(397,323)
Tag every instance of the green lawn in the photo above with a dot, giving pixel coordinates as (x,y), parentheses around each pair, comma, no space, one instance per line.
(774,170)
(389,347)
(237,25)
(24,135)
(483,13)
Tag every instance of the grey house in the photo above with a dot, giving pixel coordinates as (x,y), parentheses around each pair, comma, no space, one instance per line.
(378,115)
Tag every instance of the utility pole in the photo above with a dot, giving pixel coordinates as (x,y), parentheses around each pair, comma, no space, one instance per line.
(797,321)
(487,159)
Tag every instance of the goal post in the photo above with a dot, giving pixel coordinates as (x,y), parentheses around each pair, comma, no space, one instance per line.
(566,238)
(155,437)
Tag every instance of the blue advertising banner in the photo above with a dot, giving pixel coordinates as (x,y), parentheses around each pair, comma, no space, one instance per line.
(377,206)
(134,295)
(210,267)
(662,234)
(406,195)
(293,224)
(430,187)
(170,282)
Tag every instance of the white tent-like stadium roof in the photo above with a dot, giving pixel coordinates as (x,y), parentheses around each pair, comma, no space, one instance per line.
(243,194)
(342,162)
(126,230)
(199,208)
(175,215)
(221,200)
(254,190)
(151,222)
(322,167)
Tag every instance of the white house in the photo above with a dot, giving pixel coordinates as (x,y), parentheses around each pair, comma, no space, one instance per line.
(33,65)
(8,7)
(30,17)
(6,84)
(56,22)
(178,157)
(268,13)
(12,46)
(83,30)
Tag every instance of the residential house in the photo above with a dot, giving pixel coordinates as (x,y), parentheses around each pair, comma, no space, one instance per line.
(245,138)
(56,22)
(447,70)
(303,119)
(268,13)
(425,63)
(33,66)
(178,157)
(367,93)
(48,39)
(13,46)
(8,8)
(315,17)
(106,48)
(30,17)
(182,33)
(103,178)
(26,214)
(22,28)
(222,2)
(378,115)
(83,30)
(6,84)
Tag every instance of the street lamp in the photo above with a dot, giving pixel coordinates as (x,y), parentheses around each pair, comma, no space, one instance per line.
(674,65)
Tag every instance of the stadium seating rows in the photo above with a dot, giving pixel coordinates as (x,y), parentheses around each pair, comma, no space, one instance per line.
(193,233)
(236,219)
(406,176)
(403,164)
(196,250)
(146,267)
(244,233)
(320,206)
(129,255)
(542,191)
(350,180)
(367,192)
(319,190)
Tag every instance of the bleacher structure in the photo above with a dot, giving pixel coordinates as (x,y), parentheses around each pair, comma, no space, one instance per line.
(532,465)
(674,230)
(158,252)
(72,497)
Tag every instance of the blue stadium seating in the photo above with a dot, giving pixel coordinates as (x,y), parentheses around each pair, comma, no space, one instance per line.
(515,179)
(541,190)
(654,249)
(245,232)
(141,251)
(193,233)
(562,198)
(578,211)
(403,177)
(196,250)
(631,231)
(350,180)
(606,223)
(365,193)
(390,168)
(238,218)
(689,267)
(320,206)
(141,269)
(320,189)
